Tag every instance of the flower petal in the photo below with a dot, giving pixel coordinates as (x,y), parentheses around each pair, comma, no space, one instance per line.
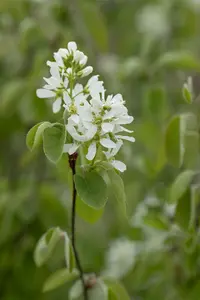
(124,137)
(86,71)
(70,148)
(74,119)
(91,151)
(67,99)
(72,46)
(57,105)
(107,143)
(107,127)
(43,93)
(119,165)
(54,82)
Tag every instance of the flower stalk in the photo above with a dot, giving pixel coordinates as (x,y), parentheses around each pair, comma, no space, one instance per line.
(72,163)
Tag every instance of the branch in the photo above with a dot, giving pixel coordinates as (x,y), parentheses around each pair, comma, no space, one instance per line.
(72,163)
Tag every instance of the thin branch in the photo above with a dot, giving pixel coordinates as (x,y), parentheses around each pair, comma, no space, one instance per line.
(72,163)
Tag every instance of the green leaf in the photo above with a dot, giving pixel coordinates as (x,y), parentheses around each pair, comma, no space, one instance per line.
(34,136)
(116,290)
(174,135)
(155,102)
(87,213)
(179,60)
(117,188)
(46,245)
(187,94)
(156,222)
(53,142)
(59,278)
(180,185)
(191,154)
(184,210)
(69,254)
(99,291)
(92,189)
(76,291)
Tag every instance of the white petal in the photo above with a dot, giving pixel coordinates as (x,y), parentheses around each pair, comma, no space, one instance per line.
(63,52)
(70,148)
(67,99)
(74,119)
(78,56)
(124,137)
(73,132)
(124,120)
(54,70)
(119,165)
(54,82)
(83,61)
(65,83)
(118,99)
(107,143)
(121,128)
(107,127)
(86,71)
(58,59)
(72,46)
(43,93)
(91,131)
(57,105)
(91,151)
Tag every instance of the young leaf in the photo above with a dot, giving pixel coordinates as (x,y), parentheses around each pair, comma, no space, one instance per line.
(99,291)
(179,60)
(53,142)
(184,210)
(116,290)
(92,189)
(69,255)
(180,185)
(46,245)
(117,188)
(34,136)
(76,291)
(156,222)
(59,278)
(174,147)
(87,213)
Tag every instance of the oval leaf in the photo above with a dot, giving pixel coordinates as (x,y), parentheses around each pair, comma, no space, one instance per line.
(46,245)
(180,185)
(53,142)
(116,290)
(87,213)
(59,278)
(184,210)
(92,189)
(34,136)
(117,189)
(174,141)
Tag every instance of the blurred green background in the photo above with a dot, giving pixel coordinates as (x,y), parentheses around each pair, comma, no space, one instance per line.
(144,49)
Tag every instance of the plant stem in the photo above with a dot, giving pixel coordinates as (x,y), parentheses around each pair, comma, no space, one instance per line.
(72,163)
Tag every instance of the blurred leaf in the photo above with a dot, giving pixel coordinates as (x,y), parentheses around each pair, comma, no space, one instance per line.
(59,278)
(174,140)
(94,20)
(69,254)
(179,60)
(155,103)
(180,185)
(117,189)
(34,136)
(191,154)
(118,291)
(87,213)
(92,189)
(53,142)
(188,91)
(183,210)
(156,222)
(46,245)
(194,291)
(76,291)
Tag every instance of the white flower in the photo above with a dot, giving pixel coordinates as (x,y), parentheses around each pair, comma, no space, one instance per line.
(52,90)
(95,87)
(120,258)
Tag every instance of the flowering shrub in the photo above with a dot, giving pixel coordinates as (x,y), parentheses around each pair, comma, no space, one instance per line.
(92,126)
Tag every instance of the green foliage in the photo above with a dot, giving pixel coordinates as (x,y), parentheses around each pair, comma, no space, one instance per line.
(59,278)
(53,142)
(92,189)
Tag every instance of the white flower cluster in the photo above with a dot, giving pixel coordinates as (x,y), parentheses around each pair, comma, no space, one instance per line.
(93,119)
(120,257)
